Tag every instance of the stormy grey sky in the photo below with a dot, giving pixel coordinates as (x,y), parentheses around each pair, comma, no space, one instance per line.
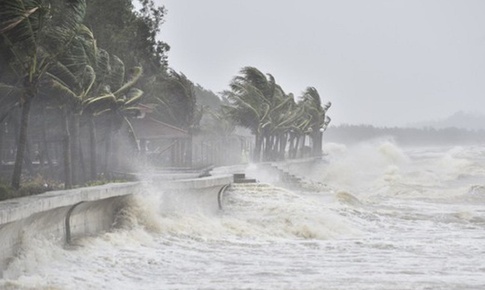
(381,62)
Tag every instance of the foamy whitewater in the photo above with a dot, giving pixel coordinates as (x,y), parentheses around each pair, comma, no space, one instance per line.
(382,217)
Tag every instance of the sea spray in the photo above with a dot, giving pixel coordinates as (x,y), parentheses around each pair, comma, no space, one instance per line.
(34,253)
(140,211)
(275,212)
(402,223)
(361,166)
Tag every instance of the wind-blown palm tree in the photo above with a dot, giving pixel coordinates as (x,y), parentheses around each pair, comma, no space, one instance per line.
(70,81)
(283,117)
(177,105)
(116,101)
(318,118)
(252,96)
(102,70)
(32,37)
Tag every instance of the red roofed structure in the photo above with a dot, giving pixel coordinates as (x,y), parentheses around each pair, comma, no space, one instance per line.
(149,128)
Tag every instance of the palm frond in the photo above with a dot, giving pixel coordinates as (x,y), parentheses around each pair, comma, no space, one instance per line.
(134,96)
(132,133)
(88,43)
(9,92)
(102,64)
(16,20)
(136,73)
(63,94)
(63,74)
(21,19)
(63,25)
(101,103)
(116,75)
(88,79)
(101,112)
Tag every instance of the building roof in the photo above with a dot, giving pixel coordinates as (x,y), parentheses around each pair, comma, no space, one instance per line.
(150,128)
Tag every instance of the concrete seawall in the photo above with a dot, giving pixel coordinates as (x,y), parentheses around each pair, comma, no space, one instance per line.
(281,173)
(191,195)
(59,215)
(65,215)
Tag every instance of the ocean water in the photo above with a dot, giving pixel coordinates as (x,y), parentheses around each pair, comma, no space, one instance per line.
(381,217)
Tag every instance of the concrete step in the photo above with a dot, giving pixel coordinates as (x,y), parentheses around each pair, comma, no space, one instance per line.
(244,180)
(248,186)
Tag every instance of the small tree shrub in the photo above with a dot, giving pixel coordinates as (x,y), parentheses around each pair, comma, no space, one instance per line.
(37,185)
(6,192)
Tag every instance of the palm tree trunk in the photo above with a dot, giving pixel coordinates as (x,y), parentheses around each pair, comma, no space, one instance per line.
(115,155)
(268,147)
(293,145)
(2,137)
(45,147)
(318,145)
(28,159)
(92,145)
(83,176)
(67,152)
(275,146)
(19,158)
(257,148)
(75,159)
(302,146)
(297,146)
(173,153)
(283,142)
(182,152)
(188,150)
(107,147)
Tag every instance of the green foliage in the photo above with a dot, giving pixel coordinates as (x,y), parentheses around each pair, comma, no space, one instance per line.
(255,101)
(247,105)
(313,106)
(6,192)
(207,98)
(218,124)
(30,186)
(177,102)
(90,70)
(34,33)
(37,185)
(258,103)
(128,34)
(46,53)
(118,97)
(103,180)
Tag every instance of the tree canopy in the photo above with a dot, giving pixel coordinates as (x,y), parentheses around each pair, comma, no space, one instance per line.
(88,68)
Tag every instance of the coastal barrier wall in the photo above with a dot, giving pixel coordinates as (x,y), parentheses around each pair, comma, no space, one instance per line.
(285,172)
(194,195)
(59,215)
(63,216)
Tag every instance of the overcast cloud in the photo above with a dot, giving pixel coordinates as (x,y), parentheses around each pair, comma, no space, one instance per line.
(379,62)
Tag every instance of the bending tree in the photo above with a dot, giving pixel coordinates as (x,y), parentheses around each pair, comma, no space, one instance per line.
(251,98)
(70,80)
(33,34)
(318,117)
(177,105)
(116,102)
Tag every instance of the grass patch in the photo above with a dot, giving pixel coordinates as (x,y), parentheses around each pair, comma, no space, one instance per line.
(39,184)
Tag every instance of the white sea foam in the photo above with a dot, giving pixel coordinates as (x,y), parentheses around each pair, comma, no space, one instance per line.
(391,218)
